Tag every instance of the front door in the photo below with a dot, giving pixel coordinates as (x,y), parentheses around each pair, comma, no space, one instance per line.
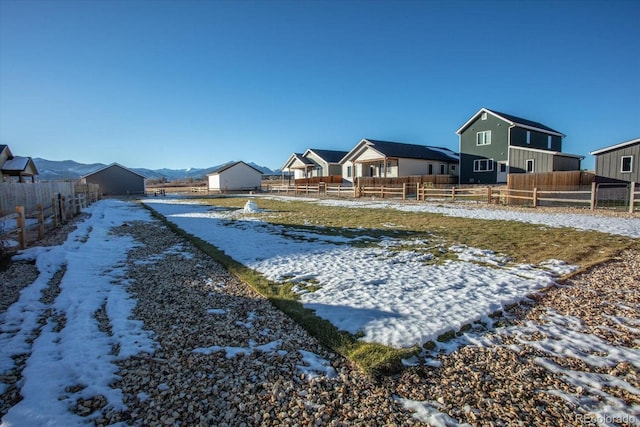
(503,170)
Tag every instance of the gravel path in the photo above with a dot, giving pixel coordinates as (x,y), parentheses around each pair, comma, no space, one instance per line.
(506,377)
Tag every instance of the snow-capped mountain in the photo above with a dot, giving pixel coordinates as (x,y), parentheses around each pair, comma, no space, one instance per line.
(52,170)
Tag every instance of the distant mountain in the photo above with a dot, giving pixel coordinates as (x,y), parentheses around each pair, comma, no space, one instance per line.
(52,170)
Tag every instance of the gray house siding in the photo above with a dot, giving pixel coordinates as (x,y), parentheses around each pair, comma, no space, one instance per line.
(609,163)
(116,180)
(470,151)
(542,162)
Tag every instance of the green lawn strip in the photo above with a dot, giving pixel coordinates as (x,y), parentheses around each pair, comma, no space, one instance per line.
(372,358)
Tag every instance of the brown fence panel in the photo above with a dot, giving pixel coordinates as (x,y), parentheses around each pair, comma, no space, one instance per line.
(411,181)
(332,179)
(551,181)
(30,195)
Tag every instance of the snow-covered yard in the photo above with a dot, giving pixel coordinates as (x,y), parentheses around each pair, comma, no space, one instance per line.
(383,291)
(388,290)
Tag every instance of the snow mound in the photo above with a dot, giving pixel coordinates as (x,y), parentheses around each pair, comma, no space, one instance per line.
(251,207)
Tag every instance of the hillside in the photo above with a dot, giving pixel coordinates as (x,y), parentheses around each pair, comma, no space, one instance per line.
(52,170)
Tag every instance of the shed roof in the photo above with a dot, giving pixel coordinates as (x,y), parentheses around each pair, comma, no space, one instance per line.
(512,120)
(615,147)
(18,164)
(113,165)
(229,166)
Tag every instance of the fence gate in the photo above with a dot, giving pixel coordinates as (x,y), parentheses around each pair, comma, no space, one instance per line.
(612,195)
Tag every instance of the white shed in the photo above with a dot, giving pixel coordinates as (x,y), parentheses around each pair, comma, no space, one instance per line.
(236,176)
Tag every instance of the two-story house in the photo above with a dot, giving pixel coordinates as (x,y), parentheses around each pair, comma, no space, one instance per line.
(494,144)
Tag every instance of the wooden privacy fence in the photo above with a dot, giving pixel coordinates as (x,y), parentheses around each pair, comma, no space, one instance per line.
(321,189)
(566,180)
(14,194)
(27,226)
(331,179)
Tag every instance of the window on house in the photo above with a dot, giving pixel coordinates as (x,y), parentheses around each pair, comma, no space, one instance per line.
(626,164)
(483,116)
(348,171)
(483,138)
(528,137)
(441,169)
(453,168)
(549,141)
(530,166)
(503,167)
(430,169)
(484,165)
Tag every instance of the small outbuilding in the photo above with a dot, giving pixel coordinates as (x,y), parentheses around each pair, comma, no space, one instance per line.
(16,167)
(620,162)
(235,176)
(116,179)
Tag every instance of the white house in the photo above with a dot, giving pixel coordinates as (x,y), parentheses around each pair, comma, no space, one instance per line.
(385,159)
(235,176)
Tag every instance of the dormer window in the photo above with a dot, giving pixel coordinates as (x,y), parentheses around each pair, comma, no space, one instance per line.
(483,116)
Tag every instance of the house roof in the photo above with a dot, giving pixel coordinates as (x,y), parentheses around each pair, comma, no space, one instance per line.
(330,156)
(404,150)
(111,165)
(513,121)
(539,150)
(229,166)
(18,164)
(299,157)
(615,147)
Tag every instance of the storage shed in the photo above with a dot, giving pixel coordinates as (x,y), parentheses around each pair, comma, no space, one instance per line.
(116,179)
(619,162)
(235,176)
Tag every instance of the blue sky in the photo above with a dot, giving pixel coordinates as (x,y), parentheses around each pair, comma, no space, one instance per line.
(181,84)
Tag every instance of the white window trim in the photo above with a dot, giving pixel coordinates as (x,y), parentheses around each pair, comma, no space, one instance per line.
(487,133)
(533,165)
(490,165)
(630,164)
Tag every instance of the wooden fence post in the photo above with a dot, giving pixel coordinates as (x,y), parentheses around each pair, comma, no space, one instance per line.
(632,195)
(63,209)
(404,191)
(40,222)
(382,191)
(55,211)
(489,195)
(417,191)
(535,197)
(22,226)
(593,195)
(453,194)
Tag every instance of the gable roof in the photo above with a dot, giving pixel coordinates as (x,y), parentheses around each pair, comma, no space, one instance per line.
(330,156)
(19,164)
(513,121)
(404,150)
(229,166)
(112,165)
(296,156)
(615,147)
